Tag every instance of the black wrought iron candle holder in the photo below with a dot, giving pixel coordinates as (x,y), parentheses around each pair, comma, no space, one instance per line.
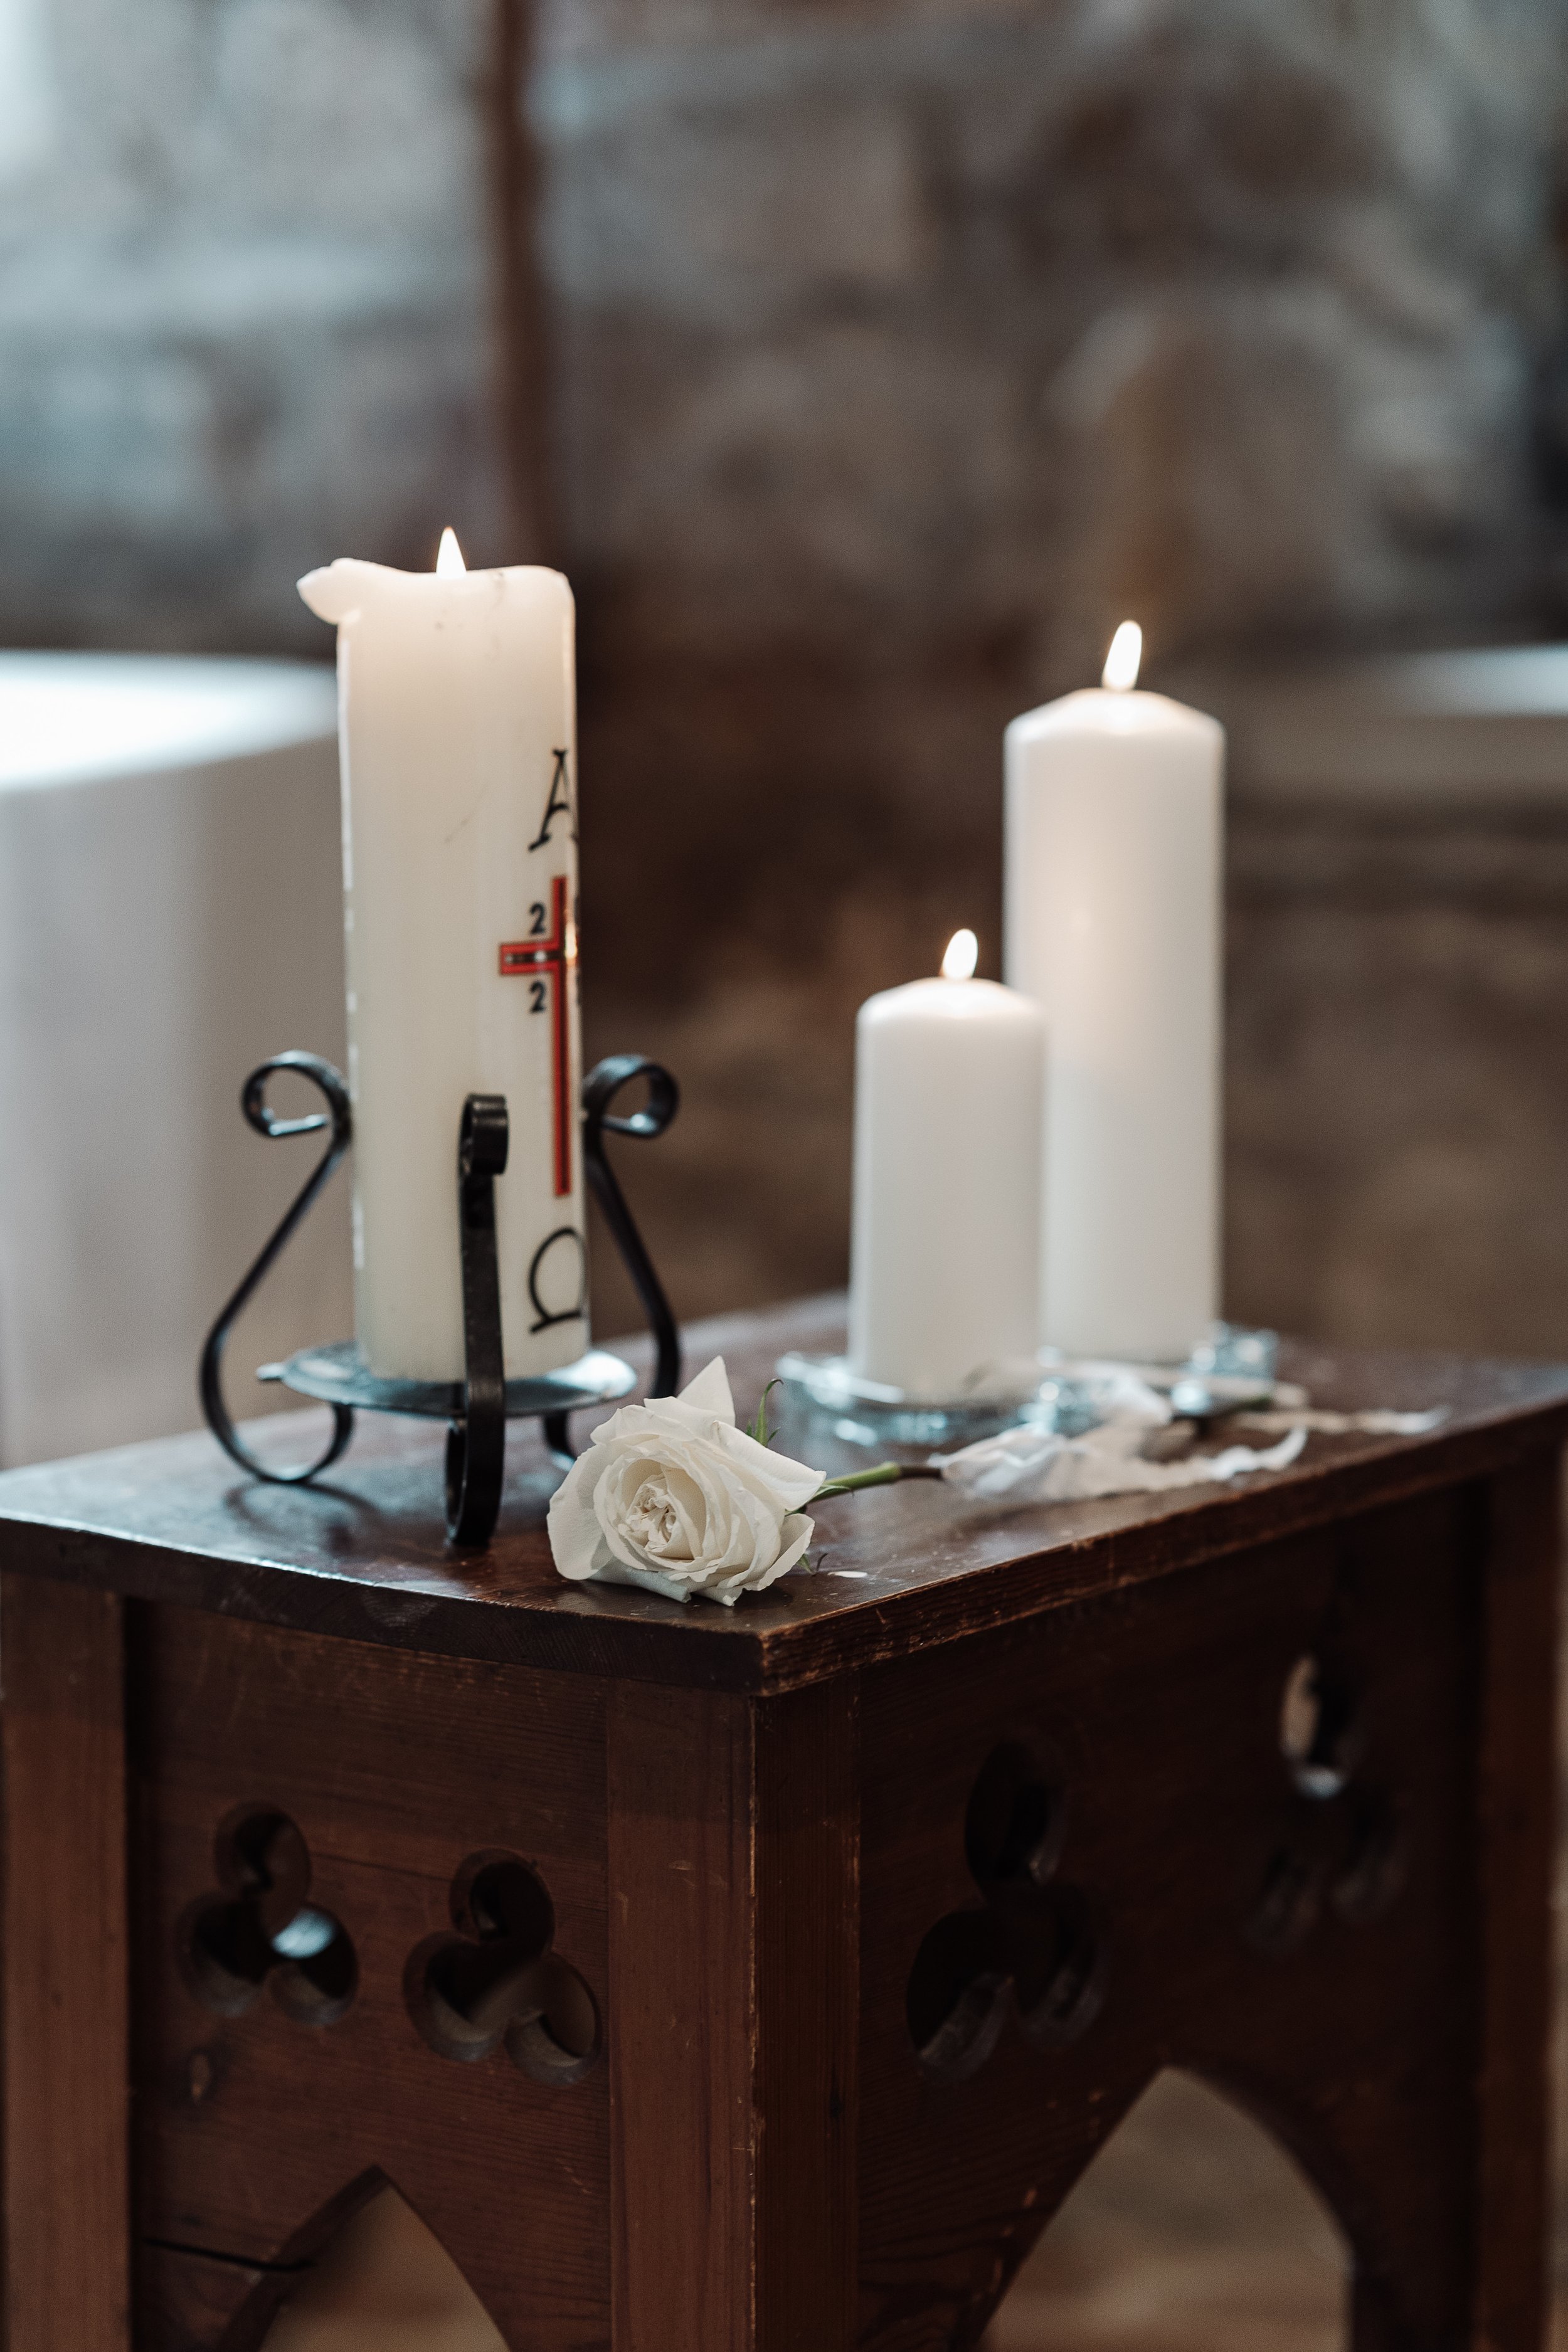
(477,1407)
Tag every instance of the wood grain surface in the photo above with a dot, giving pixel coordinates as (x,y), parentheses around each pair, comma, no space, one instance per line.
(1517,1792)
(734,1964)
(899,1570)
(64,2056)
(1367,2040)
(257,2134)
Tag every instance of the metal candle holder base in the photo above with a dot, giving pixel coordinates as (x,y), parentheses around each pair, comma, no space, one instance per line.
(477,1408)
(1231,1370)
(870,1413)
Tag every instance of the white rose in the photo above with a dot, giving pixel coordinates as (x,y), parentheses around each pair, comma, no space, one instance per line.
(673,1497)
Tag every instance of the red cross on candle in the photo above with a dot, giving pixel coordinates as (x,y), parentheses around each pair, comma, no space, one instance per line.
(547,958)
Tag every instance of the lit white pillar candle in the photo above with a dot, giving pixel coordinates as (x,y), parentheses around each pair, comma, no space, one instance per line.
(1114,845)
(458,736)
(944,1271)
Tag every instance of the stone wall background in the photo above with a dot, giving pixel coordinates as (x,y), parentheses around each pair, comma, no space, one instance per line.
(1398,1098)
(242,309)
(863,368)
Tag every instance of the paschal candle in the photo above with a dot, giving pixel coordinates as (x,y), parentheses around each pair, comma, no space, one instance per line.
(944,1255)
(458,741)
(1114,846)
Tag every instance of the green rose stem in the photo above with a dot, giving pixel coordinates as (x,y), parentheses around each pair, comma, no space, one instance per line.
(886,1474)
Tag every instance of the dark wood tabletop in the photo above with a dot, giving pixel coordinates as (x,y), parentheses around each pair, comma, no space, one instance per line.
(363,1554)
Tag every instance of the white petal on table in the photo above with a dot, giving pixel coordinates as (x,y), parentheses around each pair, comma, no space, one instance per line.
(1378,1423)
(1035,1465)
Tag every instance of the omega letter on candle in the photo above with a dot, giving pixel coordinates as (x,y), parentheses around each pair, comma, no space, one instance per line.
(459,750)
(1113,853)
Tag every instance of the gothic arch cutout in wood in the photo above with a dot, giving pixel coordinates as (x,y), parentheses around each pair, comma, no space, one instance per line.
(1193,2222)
(364,2267)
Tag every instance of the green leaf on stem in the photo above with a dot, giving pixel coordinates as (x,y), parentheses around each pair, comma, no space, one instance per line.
(759,1428)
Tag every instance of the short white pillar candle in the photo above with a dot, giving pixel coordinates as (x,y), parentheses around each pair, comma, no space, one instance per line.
(1114,845)
(944,1274)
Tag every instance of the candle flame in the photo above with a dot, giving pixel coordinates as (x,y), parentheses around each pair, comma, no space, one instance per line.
(449,556)
(1125,660)
(962,955)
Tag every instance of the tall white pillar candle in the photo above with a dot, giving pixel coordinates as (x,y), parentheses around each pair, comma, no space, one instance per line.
(946,1243)
(457,744)
(1114,847)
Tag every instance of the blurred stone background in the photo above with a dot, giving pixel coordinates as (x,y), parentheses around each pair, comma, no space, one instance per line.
(864,369)
(864,366)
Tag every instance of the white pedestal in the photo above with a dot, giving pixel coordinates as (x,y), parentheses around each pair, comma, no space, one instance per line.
(170,913)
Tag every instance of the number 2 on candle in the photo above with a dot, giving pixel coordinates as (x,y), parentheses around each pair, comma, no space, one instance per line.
(546,957)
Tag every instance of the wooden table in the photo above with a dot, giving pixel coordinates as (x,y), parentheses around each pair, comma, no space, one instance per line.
(723,1982)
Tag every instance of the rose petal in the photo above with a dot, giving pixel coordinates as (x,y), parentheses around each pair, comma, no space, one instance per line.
(616,1501)
(576,1537)
(789,1483)
(645,1578)
(798,1529)
(709,1393)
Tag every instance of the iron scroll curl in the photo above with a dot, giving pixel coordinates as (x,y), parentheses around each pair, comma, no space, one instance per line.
(600,1087)
(479,1405)
(261,1115)
(602,1084)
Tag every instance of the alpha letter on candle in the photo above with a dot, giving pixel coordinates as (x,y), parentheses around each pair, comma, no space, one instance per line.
(457,716)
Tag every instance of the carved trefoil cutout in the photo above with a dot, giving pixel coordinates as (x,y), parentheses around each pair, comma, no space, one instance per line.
(1340,1840)
(260,1931)
(1031,1951)
(497,1982)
